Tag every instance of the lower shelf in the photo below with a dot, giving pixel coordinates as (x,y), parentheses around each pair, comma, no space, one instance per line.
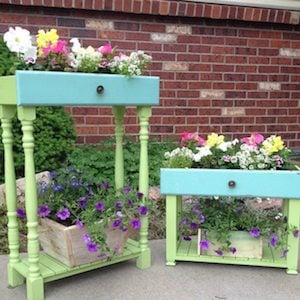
(52,269)
(187,251)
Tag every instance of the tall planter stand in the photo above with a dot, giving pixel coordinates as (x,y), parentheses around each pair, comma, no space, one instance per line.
(239,183)
(21,94)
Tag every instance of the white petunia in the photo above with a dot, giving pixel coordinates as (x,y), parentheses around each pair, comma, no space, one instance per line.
(18,40)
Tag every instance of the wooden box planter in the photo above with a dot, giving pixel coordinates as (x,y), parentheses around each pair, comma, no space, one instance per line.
(176,183)
(247,246)
(65,243)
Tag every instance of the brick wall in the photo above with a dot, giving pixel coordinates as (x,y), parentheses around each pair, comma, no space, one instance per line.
(227,69)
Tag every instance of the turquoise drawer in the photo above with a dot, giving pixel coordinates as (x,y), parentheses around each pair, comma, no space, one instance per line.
(225,182)
(36,88)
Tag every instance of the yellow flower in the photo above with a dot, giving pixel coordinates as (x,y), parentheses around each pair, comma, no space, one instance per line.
(45,39)
(214,140)
(273,144)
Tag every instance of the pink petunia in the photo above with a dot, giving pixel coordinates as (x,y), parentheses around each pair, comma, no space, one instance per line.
(253,140)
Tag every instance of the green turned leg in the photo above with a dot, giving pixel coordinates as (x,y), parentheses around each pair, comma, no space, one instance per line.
(34,282)
(171,229)
(293,243)
(144,113)
(7,112)
(118,112)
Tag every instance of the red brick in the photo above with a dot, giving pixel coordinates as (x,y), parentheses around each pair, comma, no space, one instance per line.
(199,10)
(173,8)
(266,103)
(268,69)
(182,9)
(257,60)
(191,9)
(258,43)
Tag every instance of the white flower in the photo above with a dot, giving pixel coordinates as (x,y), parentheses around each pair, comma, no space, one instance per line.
(30,55)
(18,40)
(76,45)
(202,152)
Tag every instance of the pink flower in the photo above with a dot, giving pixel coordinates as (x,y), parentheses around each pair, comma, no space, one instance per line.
(106,49)
(253,140)
(60,47)
(193,137)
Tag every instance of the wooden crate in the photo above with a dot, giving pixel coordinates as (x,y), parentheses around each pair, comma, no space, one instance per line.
(66,244)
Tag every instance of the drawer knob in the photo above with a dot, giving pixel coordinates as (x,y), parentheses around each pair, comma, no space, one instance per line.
(100,89)
(231,183)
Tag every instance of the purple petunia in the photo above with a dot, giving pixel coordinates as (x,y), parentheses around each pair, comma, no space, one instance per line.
(127,189)
(21,213)
(204,244)
(233,250)
(284,253)
(63,214)
(273,241)
(116,223)
(139,195)
(186,238)
(53,174)
(119,205)
(219,252)
(92,247)
(79,224)
(143,210)
(296,233)
(129,203)
(193,225)
(44,211)
(105,185)
(201,218)
(254,232)
(136,224)
(57,188)
(82,202)
(86,238)
(100,206)
(76,184)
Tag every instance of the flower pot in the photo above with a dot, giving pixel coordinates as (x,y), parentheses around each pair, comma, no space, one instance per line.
(246,246)
(36,88)
(66,244)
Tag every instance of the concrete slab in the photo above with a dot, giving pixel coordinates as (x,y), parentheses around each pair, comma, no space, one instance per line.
(185,281)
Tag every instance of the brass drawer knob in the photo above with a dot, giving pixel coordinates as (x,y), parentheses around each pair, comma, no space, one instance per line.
(231,183)
(100,89)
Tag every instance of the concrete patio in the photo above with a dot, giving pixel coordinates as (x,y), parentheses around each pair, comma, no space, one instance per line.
(187,281)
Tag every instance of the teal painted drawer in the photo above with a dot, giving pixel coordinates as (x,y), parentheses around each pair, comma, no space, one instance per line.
(36,88)
(225,182)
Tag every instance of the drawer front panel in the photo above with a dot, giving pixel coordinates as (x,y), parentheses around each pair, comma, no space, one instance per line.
(36,88)
(212,182)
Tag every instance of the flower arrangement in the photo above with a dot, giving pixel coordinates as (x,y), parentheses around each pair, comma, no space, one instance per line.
(222,215)
(52,53)
(69,200)
(254,152)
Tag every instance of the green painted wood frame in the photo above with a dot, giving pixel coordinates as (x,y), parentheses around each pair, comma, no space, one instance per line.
(20,95)
(225,182)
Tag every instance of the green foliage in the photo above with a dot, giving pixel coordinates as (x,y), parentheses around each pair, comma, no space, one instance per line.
(8,60)
(97,161)
(54,136)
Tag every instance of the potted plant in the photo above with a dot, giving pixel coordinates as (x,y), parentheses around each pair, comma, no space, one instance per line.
(82,222)
(83,75)
(227,175)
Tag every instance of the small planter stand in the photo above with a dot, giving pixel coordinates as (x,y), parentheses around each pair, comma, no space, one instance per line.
(21,94)
(244,183)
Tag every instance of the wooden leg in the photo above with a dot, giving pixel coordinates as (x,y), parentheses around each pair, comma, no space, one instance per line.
(35,287)
(171,229)
(144,113)
(293,243)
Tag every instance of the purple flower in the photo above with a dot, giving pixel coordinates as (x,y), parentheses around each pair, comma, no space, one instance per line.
(129,203)
(21,213)
(143,210)
(204,244)
(86,238)
(76,184)
(116,223)
(63,214)
(119,214)
(296,233)
(53,174)
(124,228)
(139,195)
(233,250)
(254,232)
(100,206)
(118,205)
(82,202)
(44,211)
(57,188)
(105,185)
(219,252)
(201,218)
(43,186)
(184,221)
(187,238)
(284,253)
(273,241)
(136,224)
(92,247)
(79,224)
(193,225)
(126,190)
